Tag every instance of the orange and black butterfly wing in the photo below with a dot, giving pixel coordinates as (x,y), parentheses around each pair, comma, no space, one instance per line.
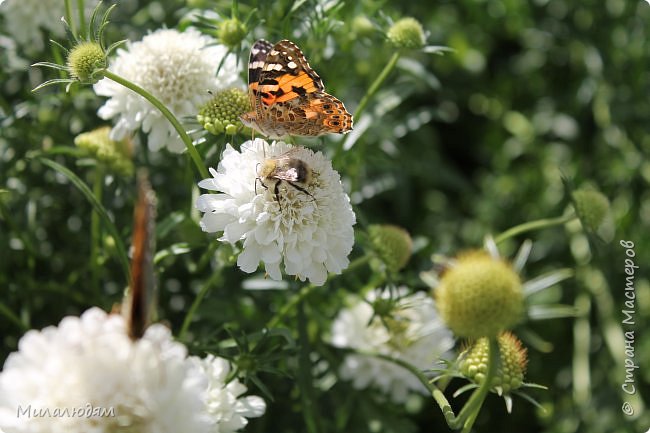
(259,52)
(286,75)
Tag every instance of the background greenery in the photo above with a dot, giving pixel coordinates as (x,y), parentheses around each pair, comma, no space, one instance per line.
(458,146)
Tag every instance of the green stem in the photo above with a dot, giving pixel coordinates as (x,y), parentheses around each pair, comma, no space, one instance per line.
(81,11)
(470,411)
(305,381)
(289,306)
(376,84)
(473,406)
(195,305)
(68,16)
(95,229)
(305,291)
(437,394)
(408,366)
(374,87)
(533,225)
(581,348)
(447,411)
(191,150)
(9,314)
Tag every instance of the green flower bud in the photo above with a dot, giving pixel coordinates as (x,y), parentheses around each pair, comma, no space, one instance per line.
(221,113)
(406,33)
(479,296)
(362,26)
(116,155)
(592,208)
(84,59)
(392,244)
(232,32)
(473,363)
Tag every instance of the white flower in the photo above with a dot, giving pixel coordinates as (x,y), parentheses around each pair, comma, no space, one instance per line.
(310,229)
(412,332)
(90,360)
(225,405)
(177,68)
(24,18)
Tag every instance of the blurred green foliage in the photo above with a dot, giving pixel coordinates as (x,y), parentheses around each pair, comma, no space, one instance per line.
(457,146)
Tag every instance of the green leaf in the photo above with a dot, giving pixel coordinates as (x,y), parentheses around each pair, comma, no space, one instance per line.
(51,65)
(52,82)
(544,312)
(173,250)
(97,207)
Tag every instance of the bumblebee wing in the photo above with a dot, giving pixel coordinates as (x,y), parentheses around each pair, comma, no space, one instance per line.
(287,168)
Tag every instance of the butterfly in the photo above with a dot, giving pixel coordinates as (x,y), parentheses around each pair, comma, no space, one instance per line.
(288,97)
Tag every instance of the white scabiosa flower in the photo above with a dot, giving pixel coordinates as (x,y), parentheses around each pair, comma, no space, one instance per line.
(407,328)
(24,18)
(177,68)
(226,405)
(286,204)
(87,375)
(90,360)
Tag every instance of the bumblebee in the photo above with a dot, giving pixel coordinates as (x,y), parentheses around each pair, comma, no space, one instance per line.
(284,168)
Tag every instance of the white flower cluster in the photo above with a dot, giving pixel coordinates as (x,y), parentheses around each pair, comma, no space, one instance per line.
(309,228)
(412,332)
(177,68)
(147,385)
(24,18)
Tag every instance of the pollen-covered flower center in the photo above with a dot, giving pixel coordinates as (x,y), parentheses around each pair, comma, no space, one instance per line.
(480,296)
(84,59)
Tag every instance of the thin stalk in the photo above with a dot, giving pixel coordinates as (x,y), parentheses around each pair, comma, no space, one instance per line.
(374,87)
(305,291)
(305,382)
(68,17)
(377,83)
(581,343)
(96,230)
(533,225)
(452,421)
(289,306)
(195,305)
(81,11)
(191,150)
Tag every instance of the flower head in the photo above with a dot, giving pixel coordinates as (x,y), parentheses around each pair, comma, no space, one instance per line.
(225,403)
(303,221)
(592,208)
(91,360)
(91,363)
(480,295)
(392,244)
(221,113)
(231,32)
(84,59)
(406,33)
(409,329)
(511,368)
(178,69)
(116,155)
